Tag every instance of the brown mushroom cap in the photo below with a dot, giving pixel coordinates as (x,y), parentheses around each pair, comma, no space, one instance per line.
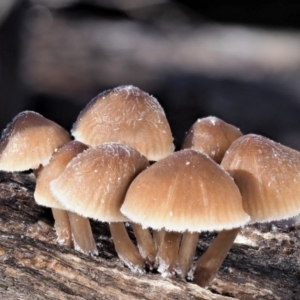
(129,116)
(52,170)
(185,191)
(29,140)
(268,176)
(212,136)
(94,183)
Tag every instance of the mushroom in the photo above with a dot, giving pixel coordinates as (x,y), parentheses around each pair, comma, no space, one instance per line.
(186,191)
(213,137)
(268,177)
(80,232)
(126,115)
(129,116)
(28,143)
(94,184)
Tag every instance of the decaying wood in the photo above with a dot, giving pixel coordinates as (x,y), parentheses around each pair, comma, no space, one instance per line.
(34,267)
(263,264)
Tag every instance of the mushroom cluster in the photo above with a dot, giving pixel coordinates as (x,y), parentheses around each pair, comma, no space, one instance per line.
(121,166)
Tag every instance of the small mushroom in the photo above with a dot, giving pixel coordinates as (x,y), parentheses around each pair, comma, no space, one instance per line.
(268,177)
(129,116)
(185,191)
(28,142)
(126,115)
(213,137)
(94,184)
(79,231)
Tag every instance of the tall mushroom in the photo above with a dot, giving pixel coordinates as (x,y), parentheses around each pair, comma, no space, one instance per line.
(268,177)
(81,233)
(186,191)
(28,142)
(94,184)
(213,137)
(129,116)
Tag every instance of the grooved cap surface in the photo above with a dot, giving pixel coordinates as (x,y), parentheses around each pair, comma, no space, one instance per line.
(129,116)
(268,176)
(29,140)
(185,191)
(94,183)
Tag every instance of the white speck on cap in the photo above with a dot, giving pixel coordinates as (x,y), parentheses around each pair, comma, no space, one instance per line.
(29,141)
(99,195)
(268,176)
(165,196)
(126,115)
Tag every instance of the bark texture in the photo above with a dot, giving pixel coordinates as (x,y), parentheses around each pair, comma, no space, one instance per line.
(32,266)
(263,263)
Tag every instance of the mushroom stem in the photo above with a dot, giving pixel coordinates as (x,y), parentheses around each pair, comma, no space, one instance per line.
(82,234)
(125,248)
(168,253)
(158,236)
(145,243)
(187,251)
(210,262)
(62,227)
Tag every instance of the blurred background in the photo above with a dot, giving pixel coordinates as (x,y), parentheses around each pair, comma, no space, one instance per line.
(238,62)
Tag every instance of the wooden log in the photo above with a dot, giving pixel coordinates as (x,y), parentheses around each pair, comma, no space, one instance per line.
(263,263)
(32,266)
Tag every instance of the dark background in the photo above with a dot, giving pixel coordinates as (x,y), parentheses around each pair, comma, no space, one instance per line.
(238,62)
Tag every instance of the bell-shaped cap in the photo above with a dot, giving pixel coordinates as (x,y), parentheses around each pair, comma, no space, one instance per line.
(186,191)
(94,183)
(29,141)
(212,136)
(129,116)
(268,176)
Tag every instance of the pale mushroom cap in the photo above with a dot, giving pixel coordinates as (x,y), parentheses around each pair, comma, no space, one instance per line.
(52,170)
(212,136)
(185,191)
(29,140)
(94,183)
(129,116)
(268,176)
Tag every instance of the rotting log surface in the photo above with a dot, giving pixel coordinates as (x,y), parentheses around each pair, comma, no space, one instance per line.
(263,265)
